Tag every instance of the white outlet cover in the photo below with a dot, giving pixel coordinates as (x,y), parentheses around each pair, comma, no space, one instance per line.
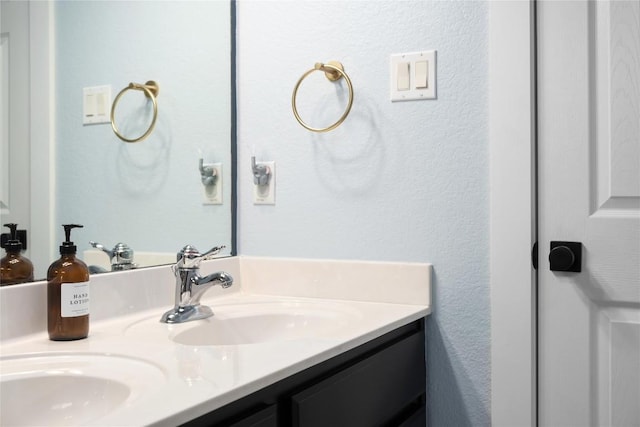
(213,193)
(413,93)
(266,194)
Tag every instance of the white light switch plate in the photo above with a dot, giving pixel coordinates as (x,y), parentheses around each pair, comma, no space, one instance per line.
(96,105)
(415,92)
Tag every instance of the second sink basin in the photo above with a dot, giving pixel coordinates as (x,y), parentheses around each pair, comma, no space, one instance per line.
(254,323)
(70,389)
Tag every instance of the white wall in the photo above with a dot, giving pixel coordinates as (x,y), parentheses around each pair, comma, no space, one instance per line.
(397,181)
(147,194)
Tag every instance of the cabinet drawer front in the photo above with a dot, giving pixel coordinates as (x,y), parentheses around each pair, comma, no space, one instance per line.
(267,417)
(349,398)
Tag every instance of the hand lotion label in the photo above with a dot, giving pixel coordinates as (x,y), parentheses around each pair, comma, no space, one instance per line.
(74,299)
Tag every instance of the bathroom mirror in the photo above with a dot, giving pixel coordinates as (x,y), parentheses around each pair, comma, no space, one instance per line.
(149,194)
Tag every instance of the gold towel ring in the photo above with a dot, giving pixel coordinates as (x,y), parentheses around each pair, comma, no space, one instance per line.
(150,90)
(334,71)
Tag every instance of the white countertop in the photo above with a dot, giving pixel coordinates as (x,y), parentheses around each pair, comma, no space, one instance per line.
(184,381)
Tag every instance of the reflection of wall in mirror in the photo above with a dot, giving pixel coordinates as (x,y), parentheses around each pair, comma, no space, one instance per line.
(147,194)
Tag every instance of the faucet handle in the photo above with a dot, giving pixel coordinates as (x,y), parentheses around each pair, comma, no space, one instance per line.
(101,247)
(213,252)
(190,257)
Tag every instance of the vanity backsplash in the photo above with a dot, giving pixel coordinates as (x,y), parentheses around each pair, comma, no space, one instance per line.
(23,308)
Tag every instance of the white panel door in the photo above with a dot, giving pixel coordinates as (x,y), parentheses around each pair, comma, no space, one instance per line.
(14,114)
(589,192)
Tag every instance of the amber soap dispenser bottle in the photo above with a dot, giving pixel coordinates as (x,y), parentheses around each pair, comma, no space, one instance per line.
(68,293)
(14,268)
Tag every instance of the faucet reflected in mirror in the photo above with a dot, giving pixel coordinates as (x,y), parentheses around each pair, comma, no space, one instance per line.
(190,286)
(121,257)
(148,194)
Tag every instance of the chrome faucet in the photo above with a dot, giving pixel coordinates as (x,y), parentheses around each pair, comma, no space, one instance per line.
(190,286)
(121,256)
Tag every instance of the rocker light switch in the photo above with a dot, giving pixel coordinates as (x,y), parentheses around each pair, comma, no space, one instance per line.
(403,76)
(422,74)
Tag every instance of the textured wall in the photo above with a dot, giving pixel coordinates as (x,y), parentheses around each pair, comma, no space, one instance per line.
(148,194)
(397,181)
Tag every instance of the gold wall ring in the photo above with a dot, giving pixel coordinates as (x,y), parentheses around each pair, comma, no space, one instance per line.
(150,90)
(334,71)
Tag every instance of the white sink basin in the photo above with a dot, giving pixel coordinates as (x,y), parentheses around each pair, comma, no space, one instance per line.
(254,323)
(70,389)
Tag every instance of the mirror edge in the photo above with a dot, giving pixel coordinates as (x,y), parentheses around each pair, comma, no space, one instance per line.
(234,130)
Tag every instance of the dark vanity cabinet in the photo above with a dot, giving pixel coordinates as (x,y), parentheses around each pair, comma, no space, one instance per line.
(380,383)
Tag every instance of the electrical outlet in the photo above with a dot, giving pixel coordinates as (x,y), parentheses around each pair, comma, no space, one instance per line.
(266,194)
(213,193)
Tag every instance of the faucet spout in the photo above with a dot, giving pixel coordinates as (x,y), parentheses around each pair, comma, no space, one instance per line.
(202,284)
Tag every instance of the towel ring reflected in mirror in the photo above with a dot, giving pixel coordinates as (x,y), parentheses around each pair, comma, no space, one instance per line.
(150,90)
(334,71)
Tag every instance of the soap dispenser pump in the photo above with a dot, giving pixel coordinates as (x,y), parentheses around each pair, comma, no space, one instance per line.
(68,293)
(14,268)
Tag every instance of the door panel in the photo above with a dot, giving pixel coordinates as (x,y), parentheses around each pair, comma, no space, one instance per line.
(618,24)
(14,114)
(589,191)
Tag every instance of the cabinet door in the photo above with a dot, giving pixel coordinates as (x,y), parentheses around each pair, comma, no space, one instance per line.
(370,393)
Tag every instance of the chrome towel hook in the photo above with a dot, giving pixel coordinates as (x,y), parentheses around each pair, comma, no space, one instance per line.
(261,172)
(150,90)
(333,71)
(208,174)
